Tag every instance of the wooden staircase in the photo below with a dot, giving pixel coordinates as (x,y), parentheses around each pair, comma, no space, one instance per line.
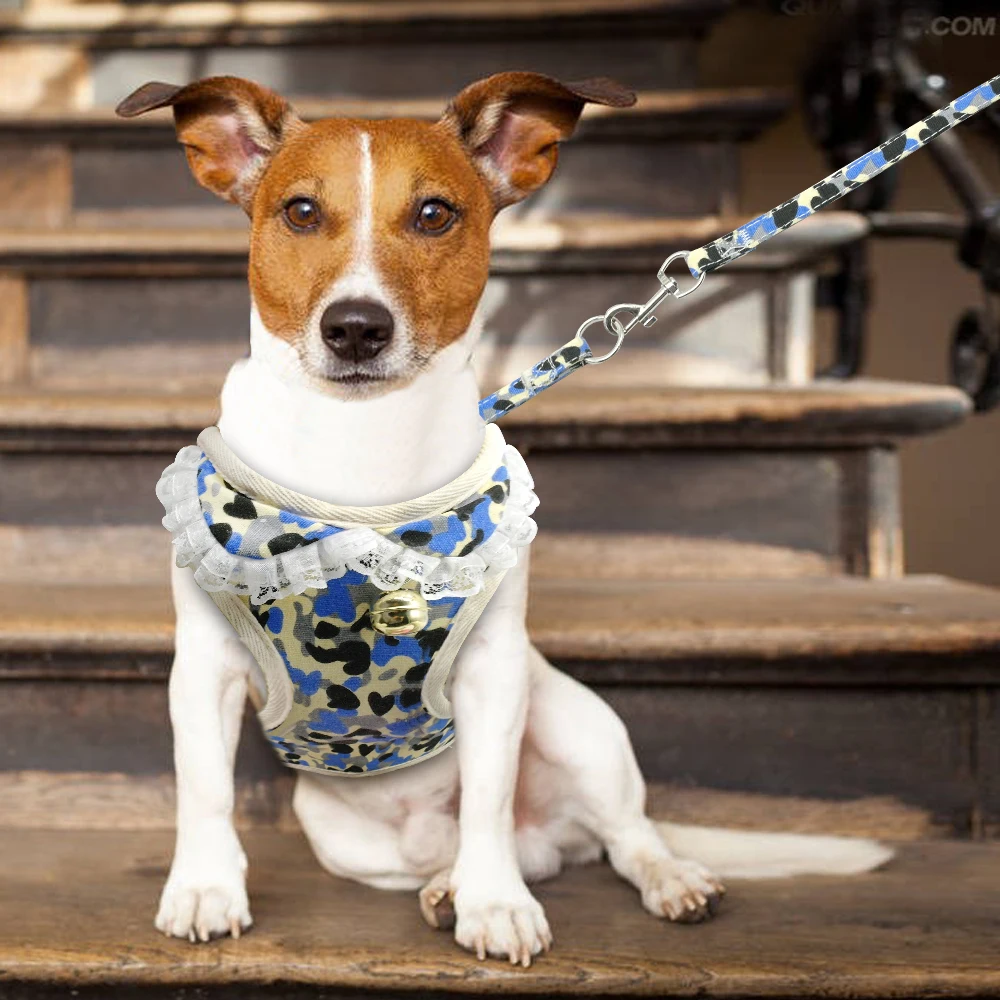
(720,551)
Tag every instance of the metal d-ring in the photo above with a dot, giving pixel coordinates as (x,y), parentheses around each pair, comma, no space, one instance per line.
(618,335)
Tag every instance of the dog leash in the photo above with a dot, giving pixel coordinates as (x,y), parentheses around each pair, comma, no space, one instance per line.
(710,257)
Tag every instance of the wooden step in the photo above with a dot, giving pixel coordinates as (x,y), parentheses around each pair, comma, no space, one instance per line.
(831,688)
(309,22)
(924,925)
(778,481)
(59,56)
(574,414)
(838,632)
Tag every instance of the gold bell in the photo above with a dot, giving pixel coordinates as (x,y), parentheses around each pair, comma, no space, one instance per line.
(400,613)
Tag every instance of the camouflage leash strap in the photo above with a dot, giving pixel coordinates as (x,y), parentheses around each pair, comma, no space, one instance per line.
(739,242)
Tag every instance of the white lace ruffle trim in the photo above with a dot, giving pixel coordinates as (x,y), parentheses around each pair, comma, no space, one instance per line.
(387,563)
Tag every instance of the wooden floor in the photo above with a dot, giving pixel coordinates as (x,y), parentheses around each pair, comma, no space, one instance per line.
(76,911)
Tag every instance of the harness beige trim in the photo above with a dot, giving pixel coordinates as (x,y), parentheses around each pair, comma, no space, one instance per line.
(278,701)
(436,700)
(255,485)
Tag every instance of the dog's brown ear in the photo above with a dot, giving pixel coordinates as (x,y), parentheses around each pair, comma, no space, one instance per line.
(512,124)
(229,128)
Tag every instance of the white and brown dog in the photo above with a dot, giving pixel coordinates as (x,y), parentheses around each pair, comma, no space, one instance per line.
(369,252)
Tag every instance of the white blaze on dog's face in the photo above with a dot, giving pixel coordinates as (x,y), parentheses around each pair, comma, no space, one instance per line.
(369,243)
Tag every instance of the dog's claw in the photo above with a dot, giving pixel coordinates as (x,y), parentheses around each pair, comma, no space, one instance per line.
(437,903)
(201,914)
(510,926)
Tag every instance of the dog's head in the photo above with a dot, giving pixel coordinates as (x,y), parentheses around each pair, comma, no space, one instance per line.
(369,243)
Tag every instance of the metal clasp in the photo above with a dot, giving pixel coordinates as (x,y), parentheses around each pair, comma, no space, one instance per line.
(643,314)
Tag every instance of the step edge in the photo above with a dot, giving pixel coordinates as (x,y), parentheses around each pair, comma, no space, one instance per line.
(857,413)
(750,102)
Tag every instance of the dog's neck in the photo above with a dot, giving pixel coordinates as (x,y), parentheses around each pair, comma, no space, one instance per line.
(361,453)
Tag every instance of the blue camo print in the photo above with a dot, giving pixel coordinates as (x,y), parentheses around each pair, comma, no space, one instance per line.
(546,373)
(357,703)
(357,694)
(741,241)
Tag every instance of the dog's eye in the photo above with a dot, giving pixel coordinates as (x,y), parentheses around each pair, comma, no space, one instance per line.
(302,213)
(435,216)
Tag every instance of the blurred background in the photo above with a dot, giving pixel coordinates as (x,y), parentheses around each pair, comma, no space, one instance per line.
(919,289)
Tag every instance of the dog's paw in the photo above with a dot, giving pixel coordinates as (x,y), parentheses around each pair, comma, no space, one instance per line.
(204,913)
(682,891)
(506,924)
(205,899)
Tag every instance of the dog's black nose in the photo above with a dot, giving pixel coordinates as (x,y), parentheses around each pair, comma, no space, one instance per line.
(356,329)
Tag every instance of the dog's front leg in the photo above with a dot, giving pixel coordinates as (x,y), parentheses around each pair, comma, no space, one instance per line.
(205,894)
(495,913)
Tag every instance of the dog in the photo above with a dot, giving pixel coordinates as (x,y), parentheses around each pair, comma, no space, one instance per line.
(369,252)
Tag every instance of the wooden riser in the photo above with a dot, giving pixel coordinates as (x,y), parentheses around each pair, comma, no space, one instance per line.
(829,689)
(185,333)
(830,509)
(690,178)
(103,307)
(933,749)
(114,800)
(675,153)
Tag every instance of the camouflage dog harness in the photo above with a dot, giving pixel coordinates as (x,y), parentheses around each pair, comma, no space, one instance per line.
(354,615)
(354,618)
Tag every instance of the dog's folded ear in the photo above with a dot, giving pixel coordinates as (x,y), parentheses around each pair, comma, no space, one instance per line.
(512,124)
(229,128)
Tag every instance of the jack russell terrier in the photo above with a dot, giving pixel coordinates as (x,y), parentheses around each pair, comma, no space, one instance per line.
(308,577)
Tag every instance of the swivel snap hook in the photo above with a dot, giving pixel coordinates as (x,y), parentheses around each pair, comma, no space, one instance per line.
(619,328)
